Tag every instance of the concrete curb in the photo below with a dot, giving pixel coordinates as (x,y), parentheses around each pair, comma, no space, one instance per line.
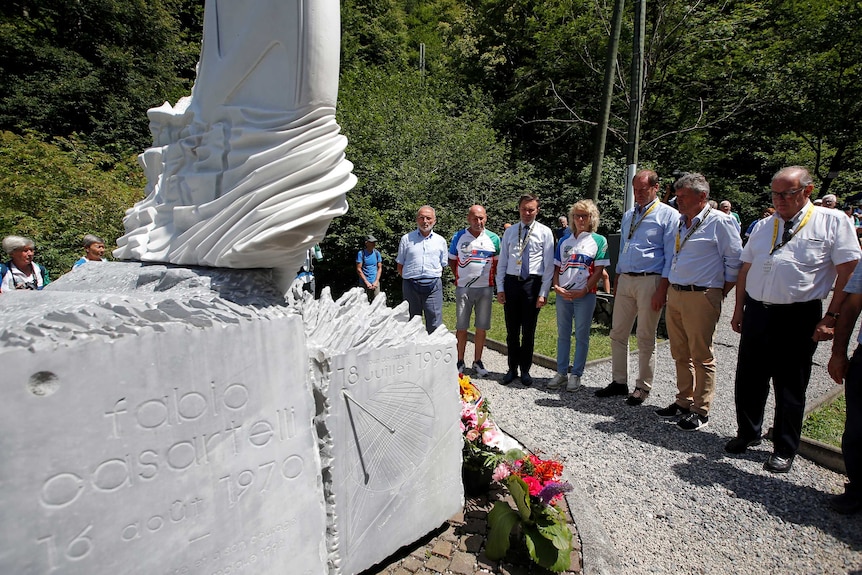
(823,454)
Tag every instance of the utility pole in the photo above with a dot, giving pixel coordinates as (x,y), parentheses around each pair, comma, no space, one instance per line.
(601,135)
(633,139)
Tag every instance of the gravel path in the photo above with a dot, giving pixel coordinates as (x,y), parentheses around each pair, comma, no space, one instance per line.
(662,500)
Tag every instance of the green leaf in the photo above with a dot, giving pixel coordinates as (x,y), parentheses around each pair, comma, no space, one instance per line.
(544,552)
(521,494)
(501,520)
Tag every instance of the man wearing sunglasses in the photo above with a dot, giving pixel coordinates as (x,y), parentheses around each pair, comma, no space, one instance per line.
(789,265)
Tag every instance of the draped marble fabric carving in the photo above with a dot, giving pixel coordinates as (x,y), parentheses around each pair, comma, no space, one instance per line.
(248,171)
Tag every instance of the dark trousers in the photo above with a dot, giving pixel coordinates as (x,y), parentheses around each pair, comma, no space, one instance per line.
(775,344)
(521,317)
(425,295)
(851,441)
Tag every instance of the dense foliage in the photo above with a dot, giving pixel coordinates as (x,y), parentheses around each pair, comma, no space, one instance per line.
(506,102)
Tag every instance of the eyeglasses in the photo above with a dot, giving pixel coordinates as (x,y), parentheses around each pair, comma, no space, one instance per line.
(582,216)
(788,194)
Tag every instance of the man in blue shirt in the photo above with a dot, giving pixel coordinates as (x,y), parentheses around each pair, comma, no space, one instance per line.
(369,267)
(94,249)
(640,286)
(701,265)
(421,257)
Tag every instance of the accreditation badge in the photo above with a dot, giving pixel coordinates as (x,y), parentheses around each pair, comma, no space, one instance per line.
(767,265)
(673,264)
(626,248)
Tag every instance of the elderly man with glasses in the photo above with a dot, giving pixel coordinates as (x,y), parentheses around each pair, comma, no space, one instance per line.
(789,265)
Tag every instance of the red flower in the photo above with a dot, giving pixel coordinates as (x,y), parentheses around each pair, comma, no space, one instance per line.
(533,484)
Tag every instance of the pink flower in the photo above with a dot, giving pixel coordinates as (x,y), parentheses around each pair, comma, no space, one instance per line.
(501,472)
(490,436)
(472,435)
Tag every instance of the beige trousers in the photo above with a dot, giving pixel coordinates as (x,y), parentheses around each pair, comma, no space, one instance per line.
(633,299)
(691,318)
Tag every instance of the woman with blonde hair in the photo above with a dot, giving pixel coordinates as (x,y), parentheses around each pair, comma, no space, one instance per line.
(579,260)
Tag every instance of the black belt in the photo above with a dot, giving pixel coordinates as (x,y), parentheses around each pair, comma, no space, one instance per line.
(640,274)
(750,299)
(520,279)
(678,287)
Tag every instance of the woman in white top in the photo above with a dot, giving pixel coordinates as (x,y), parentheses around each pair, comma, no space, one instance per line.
(579,260)
(20,272)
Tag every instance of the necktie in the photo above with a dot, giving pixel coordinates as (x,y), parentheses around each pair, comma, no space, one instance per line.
(787,236)
(525,255)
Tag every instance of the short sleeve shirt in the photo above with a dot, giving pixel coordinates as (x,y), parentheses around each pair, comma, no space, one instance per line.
(577,258)
(369,263)
(422,256)
(476,257)
(804,268)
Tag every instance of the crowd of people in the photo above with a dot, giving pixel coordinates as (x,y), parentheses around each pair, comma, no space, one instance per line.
(684,257)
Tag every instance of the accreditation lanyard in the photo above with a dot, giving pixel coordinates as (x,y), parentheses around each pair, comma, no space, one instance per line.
(634,225)
(793,233)
(523,241)
(681,243)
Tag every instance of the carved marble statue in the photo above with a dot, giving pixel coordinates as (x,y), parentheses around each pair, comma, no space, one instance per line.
(248,171)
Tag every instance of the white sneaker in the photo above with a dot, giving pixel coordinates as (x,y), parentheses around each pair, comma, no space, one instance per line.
(557,382)
(479,369)
(574,382)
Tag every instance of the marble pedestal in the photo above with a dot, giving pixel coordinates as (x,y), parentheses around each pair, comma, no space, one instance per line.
(188,420)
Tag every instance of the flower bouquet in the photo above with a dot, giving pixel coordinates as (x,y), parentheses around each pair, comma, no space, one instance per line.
(535,485)
(481,452)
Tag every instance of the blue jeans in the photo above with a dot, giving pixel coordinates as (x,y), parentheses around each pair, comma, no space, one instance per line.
(581,311)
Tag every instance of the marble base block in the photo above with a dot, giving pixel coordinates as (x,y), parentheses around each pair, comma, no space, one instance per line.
(162,419)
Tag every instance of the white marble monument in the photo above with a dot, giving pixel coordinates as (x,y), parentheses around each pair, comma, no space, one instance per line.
(248,171)
(161,419)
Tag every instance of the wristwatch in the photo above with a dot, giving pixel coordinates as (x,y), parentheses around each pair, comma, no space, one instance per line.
(833,314)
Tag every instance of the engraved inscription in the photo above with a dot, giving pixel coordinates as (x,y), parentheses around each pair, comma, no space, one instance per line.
(223,430)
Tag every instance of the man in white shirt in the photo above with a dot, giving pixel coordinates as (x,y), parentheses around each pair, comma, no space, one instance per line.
(421,257)
(524,274)
(473,259)
(789,265)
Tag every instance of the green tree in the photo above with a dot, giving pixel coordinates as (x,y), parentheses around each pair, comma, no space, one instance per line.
(94,67)
(57,192)
(410,149)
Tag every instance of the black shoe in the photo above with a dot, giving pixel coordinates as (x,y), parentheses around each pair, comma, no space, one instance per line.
(637,397)
(509,377)
(671,411)
(613,389)
(778,464)
(526,380)
(693,421)
(739,445)
(847,503)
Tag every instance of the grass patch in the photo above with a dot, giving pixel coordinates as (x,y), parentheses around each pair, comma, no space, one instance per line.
(826,424)
(546,330)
